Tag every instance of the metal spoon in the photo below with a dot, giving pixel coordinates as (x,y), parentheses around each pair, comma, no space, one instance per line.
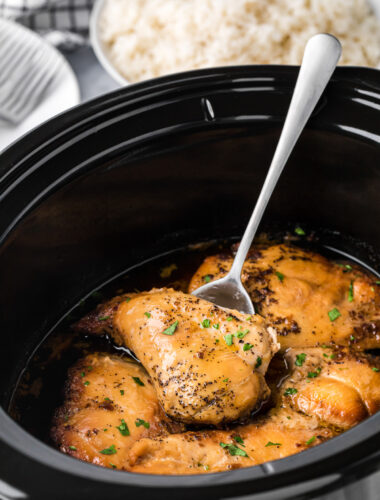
(321,56)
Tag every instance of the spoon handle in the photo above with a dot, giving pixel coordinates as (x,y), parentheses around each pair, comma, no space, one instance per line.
(321,56)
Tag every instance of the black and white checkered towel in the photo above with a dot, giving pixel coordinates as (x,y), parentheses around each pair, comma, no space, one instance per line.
(62,22)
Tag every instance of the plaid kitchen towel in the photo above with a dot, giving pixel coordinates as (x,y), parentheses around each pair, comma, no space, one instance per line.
(62,22)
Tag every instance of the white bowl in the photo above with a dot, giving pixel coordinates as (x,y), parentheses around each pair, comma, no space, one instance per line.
(101,51)
(98,46)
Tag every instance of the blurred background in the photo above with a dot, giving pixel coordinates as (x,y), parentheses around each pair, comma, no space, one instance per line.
(55,54)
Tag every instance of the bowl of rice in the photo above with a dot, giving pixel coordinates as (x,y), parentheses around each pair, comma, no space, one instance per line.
(136,40)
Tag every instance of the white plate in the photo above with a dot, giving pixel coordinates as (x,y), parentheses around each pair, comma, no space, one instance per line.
(62,93)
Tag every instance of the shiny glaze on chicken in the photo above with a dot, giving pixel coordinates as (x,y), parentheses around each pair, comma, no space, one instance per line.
(207,363)
(322,382)
(300,292)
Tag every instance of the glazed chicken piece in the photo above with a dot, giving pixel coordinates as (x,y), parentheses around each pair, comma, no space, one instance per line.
(109,403)
(207,364)
(327,391)
(338,386)
(306,298)
(268,439)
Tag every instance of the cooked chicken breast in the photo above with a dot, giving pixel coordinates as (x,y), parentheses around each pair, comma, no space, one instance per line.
(207,364)
(306,298)
(327,391)
(214,451)
(109,403)
(338,386)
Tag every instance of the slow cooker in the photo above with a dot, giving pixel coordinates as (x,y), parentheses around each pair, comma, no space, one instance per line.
(153,167)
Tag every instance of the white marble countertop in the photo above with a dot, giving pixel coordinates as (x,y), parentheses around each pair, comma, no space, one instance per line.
(93,80)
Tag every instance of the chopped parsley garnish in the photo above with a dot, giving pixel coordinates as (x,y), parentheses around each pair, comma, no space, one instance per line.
(138,381)
(300,359)
(82,374)
(228,338)
(207,278)
(258,362)
(109,451)
(375,369)
(247,347)
(113,465)
(74,448)
(377,282)
(351,292)
(311,440)
(107,399)
(313,374)
(234,450)
(123,428)
(105,430)
(248,318)
(226,380)
(240,334)
(206,323)
(332,356)
(140,421)
(230,318)
(122,392)
(127,299)
(86,383)
(280,276)
(216,326)
(147,314)
(171,329)
(239,440)
(103,318)
(347,268)
(334,314)
(269,443)
(290,391)
(206,467)
(352,338)
(298,230)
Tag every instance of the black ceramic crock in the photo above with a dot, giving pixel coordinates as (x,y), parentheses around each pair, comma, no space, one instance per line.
(150,168)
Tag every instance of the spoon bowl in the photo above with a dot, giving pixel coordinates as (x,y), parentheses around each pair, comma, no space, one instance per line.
(227,292)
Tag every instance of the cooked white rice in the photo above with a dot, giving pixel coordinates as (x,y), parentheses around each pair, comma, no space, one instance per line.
(149,38)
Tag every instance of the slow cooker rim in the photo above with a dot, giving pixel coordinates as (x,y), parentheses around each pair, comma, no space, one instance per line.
(358,85)
(12,156)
